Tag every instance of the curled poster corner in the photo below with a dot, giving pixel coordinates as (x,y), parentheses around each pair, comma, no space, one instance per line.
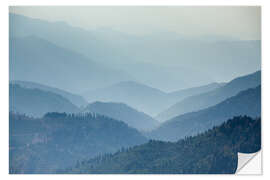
(249,163)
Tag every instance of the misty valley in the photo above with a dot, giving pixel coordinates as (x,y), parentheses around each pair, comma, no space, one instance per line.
(101,102)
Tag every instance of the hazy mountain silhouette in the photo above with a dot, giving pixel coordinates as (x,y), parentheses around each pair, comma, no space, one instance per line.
(108,46)
(169,77)
(143,97)
(58,140)
(35,59)
(212,152)
(201,101)
(83,41)
(37,102)
(184,93)
(122,112)
(143,56)
(73,98)
(86,101)
(139,96)
(247,102)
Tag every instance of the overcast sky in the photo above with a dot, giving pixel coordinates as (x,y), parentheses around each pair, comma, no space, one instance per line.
(237,22)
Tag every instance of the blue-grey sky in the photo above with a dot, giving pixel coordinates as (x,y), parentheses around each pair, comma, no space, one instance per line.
(237,22)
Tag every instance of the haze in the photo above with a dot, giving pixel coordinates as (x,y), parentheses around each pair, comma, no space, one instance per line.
(237,22)
(168,48)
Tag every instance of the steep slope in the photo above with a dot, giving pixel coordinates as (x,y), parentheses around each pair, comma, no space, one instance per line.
(58,140)
(181,94)
(212,152)
(201,101)
(122,112)
(246,102)
(141,97)
(35,59)
(73,98)
(37,102)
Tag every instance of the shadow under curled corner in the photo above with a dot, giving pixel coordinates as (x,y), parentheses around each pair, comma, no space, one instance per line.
(249,163)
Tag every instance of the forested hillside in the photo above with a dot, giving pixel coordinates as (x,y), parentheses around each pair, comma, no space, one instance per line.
(58,140)
(113,90)
(212,152)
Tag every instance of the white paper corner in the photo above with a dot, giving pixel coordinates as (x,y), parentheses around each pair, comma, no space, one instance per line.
(249,164)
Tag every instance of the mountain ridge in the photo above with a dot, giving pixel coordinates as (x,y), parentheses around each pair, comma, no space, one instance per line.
(121,51)
(43,62)
(207,99)
(58,140)
(37,102)
(247,102)
(74,98)
(123,112)
(212,152)
(143,97)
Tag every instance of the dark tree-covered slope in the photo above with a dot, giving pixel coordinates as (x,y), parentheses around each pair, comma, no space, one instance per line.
(246,102)
(212,152)
(58,140)
(204,100)
(37,102)
(73,98)
(127,114)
